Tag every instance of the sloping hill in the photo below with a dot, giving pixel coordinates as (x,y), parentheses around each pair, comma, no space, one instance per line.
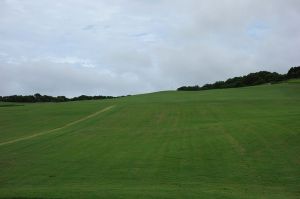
(230,143)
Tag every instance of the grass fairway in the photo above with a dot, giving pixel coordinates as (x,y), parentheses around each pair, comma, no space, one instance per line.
(229,144)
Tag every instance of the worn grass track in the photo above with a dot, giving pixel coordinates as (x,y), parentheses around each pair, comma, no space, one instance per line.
(56,129)
(233,143)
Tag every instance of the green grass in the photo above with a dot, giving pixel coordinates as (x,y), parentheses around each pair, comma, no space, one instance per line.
(231,144)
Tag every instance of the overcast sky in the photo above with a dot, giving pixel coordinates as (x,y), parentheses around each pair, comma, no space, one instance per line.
(117,47)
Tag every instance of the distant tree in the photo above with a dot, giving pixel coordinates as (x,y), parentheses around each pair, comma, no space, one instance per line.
(294,72)
(251,79)
(38,97)
(61,99)
(45,98)
(189,88)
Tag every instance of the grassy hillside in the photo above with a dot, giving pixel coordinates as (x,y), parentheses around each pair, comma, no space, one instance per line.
(230,144)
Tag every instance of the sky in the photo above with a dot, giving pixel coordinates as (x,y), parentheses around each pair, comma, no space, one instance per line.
(120,47)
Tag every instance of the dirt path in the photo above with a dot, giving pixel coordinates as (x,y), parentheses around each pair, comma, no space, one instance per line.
(57,129)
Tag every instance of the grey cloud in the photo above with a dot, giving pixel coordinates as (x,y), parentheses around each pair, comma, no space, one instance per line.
(62,79)
(119,47)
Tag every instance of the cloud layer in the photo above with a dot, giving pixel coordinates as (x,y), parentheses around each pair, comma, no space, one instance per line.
(119,47)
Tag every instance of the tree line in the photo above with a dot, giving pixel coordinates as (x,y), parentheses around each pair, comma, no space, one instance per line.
(251,79)
(46,98)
